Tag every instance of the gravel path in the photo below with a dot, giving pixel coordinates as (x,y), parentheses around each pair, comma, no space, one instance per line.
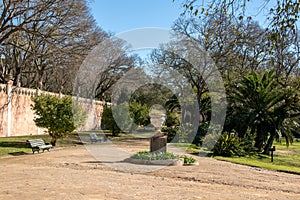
(98,172)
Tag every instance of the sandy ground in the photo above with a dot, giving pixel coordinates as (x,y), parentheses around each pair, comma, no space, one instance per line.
(97,172)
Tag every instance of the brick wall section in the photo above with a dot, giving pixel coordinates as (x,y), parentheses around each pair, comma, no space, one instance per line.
(22,116)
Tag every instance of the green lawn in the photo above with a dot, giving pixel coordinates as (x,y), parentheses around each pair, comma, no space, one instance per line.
(286,159)
(17,144)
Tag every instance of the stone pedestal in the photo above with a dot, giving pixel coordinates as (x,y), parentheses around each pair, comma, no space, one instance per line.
(158,144)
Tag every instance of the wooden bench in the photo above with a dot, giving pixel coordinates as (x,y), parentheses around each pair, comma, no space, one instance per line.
(39,144)
(95,138)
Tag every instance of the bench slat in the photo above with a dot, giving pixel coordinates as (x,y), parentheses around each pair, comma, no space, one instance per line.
(38,144)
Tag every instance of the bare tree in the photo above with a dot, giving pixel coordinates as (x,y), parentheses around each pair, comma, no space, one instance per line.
(46,47)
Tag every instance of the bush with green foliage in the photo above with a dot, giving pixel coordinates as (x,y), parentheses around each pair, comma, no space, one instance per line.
(188,159)
(247,143)
(139,113)
(227,145)
(60,116)
(173,119)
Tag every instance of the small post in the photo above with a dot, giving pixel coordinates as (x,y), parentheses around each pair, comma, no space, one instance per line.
(272,153)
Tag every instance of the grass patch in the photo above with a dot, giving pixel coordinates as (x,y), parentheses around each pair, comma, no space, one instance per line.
(286,159)
(17,145)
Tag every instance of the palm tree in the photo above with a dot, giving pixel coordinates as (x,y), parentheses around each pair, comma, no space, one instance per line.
(261,104)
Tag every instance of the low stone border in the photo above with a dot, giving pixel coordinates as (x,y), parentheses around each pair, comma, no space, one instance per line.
(173,162)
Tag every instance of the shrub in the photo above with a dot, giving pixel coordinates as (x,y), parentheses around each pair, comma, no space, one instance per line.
(173,119)
(188,159)
(247,143)
(60,116)
(228,145)
(139,113)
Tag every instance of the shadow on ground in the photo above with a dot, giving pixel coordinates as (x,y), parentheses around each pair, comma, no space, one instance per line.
(19,153)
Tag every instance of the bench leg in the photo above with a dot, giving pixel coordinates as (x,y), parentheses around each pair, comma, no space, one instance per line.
(34,150)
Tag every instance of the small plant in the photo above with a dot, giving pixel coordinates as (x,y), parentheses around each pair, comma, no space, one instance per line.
(188,159)
(228,145)
(146,155)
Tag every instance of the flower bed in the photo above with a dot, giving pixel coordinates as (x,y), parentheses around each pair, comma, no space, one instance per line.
(149,158)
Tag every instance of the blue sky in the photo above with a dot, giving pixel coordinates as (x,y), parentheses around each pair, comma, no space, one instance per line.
(122,15)
(117,16)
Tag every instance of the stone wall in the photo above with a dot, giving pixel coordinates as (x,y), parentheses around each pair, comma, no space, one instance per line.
(21,120)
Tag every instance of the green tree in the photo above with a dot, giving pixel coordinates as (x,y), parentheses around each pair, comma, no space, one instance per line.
(139,113)
(60,116)
(261,104)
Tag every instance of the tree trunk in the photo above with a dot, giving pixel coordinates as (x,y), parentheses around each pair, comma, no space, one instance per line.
(269,144)
(53,141)
(259,139)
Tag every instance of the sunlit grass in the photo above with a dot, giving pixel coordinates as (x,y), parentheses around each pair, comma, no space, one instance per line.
(18,144)
(286,159)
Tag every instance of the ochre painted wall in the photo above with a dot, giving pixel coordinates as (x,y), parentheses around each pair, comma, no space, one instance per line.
(22,115)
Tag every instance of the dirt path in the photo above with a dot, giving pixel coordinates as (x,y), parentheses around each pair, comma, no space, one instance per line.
(73,173)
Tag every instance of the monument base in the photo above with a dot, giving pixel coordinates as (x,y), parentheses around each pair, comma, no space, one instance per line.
(158,144)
